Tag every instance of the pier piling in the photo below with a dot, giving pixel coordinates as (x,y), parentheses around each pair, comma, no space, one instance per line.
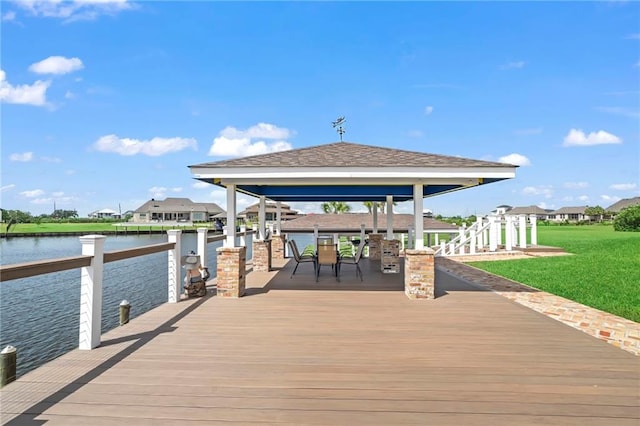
(8,364)
(125,308)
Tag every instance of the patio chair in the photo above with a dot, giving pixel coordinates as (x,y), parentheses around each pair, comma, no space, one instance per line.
(353,260)
(327,255)
(304,258)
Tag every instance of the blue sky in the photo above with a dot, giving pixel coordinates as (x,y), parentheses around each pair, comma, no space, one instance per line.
(105,104)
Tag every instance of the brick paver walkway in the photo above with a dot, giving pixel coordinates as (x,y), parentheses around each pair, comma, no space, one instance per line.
(618,331)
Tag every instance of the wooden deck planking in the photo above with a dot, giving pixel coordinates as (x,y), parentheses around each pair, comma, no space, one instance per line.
(300,352)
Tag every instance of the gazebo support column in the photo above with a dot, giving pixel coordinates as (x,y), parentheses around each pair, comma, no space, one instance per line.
(231,271)
(277,246)
(375,246)
(419,274)
(262,255)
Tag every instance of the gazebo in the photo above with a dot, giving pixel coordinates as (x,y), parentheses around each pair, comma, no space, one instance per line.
(342,171)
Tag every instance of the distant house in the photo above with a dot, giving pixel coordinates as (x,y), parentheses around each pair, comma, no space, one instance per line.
(622,204)
(540,213)
(250,214)
(569,214)
(502,209)
(175,210)
(104,214)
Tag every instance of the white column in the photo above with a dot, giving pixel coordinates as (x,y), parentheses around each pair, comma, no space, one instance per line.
(91,292)
(173,291)
(480,235)
(243,235)
(231,216)
(202,245)
(461,232)
(523,231)
(362,233)
(418,222)
(472,241)
(410,237)
(389,217)
(508,233)
(278,217)
(315,236)
(493,243)
(436,240)
(375,217)
(262,215)
(534,229)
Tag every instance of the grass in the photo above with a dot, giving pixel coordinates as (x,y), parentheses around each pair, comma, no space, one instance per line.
(34,228)
(604,271)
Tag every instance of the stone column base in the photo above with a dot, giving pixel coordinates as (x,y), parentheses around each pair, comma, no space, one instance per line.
(231,271)
(375,246)
(262,255)
(277,247)
(419,274)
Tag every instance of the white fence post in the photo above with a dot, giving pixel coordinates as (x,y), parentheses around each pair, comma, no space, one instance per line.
(508,233)
(202,245)
(493,242)
(472,241)
(534,230)
(174,266)
(91,292)
(523,231)
(410,237)
(243,235)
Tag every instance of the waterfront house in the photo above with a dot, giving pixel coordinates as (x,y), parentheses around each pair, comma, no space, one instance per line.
(250,214)
(540,213)
(569,214)
(175,209)
(615,208)
(104,214)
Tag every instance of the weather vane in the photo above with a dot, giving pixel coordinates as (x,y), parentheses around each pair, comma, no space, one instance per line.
(338,123)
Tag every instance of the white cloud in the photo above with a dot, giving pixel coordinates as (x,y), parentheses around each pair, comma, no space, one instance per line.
(177,189)
(544,190)
(74,10)
(153,148)
(7,187)
(577,137)
(415,133)
(9,16)
(583,198)
(546,206)
(610,199)
(70,172)
(158,191)
(33,193)
(24,157)
(513,65)
(233,142)
(56,65)
(51,159)
(428,110)
(34,94)
(201,185)
(575,185)
(623,186)
(635,36)
(57,194)
(69,95)
(625,112)
(636,65)
(515,159)
(68,200)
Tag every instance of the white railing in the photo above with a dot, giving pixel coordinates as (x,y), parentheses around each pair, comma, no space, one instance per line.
(487,235)
(91,263)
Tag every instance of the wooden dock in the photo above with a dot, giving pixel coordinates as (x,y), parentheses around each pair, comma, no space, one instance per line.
(294,351)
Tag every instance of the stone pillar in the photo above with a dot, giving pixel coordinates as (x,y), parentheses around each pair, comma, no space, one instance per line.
(262,255)
(419,274)
(231,271)
(277,246)
(375,246)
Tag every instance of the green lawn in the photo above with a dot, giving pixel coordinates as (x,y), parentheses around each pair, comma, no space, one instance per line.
(603,272)
(34,228)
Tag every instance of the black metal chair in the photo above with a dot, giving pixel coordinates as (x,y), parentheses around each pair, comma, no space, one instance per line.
(304,258)
(353,260)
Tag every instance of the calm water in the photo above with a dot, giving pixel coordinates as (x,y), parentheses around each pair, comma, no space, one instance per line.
(40,315)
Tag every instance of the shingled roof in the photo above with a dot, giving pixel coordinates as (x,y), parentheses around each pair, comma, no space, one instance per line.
(346,171)
(349,154)
(623,204)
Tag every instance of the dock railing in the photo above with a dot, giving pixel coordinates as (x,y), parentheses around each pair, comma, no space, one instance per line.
(91,263)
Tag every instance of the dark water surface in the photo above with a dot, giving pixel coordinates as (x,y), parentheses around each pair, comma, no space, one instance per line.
(40,315)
